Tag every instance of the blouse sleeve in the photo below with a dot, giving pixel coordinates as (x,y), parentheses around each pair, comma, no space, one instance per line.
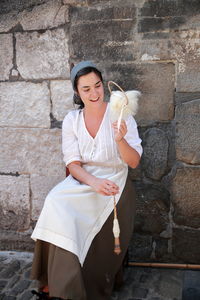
(70,147)
(132,136)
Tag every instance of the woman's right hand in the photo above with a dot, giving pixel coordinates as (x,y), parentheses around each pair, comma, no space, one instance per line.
(104,186)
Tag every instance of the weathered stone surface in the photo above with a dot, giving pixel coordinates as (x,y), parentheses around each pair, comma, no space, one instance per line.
(188,79)
(157,8)
(160,24)
(42,55)
(40,186)
(152,208)
(186,245)
(154,161)
(156,82)
(55,14)
(108,31)
(186,47)
(140,247)
(15,206)
(62,98)
(155,48)
(186,97)
(83,14)
(105,43)
(185,196)
(15,240)
(18,5)
(32,151)
(187,132)
(6,51)
(8,21)
(24,104)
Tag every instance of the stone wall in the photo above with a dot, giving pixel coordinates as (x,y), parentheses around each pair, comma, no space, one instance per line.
(153,46)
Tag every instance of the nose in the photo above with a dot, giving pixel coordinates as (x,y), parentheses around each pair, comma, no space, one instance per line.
(94,94)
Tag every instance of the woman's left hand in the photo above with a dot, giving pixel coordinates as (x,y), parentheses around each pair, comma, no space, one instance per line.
(119,134)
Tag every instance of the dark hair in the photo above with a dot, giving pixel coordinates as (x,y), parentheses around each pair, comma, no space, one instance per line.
(84,71)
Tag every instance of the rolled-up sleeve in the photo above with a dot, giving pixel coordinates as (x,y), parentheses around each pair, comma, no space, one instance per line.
(132,136)
(70,147)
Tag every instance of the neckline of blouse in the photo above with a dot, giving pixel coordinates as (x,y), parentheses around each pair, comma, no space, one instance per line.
(102,121)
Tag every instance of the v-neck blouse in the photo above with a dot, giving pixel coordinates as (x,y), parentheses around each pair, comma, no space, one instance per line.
(79,145)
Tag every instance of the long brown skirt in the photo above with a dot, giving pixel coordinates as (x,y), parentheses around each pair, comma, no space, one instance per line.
(61,270)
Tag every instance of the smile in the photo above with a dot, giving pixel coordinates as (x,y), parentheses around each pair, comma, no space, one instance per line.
(95,100)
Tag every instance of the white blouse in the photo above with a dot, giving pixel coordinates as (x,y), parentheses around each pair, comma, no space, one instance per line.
(79,145)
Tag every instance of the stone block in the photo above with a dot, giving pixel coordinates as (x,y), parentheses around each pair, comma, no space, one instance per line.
(186,97)
(15,205)
(186,47)
(32,151)
(185,196)
(8,21)
(15,240)
(24,104)
(62,98)
(155,49)
(188,77)
(85,14)
(18,5)
(103,40)
(140,247)
(40,186)
(55,14)
(160,24)
(186,245)
(152,208)
(42,55)
(156,82)
(187,132)
(155,155)
(159,8)
(6,57)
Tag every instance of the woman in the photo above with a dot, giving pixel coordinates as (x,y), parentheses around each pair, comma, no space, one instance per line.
(74,249)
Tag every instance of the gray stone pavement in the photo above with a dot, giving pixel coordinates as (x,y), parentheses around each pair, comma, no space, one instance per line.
(140,283)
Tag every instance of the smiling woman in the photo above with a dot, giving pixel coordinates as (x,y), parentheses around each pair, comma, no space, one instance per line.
(74,254)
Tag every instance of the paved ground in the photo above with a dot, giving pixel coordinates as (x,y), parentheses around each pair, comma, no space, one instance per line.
(140,283)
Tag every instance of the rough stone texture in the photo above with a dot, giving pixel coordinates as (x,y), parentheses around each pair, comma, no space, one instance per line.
(8,21)
(15,240)
(6,44)
(188,57)
(186,97)
(185,196)
(152,208)
(140,248)
(40,186)
(55,14)
(157,86)
(42,55)
(29,104)
(33,151)
(108,30)
(62,98)
(155,153)
(14,205)
(18,5)
(186,245)
(187,132)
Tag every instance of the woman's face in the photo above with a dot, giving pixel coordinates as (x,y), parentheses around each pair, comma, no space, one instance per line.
(90,89)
